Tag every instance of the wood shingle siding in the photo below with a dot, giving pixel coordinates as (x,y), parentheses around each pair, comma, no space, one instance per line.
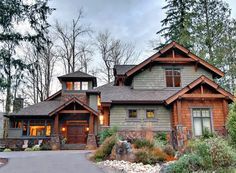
(155,78)
(119,117)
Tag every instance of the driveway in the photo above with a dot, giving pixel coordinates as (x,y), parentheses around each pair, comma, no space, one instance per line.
(48,162)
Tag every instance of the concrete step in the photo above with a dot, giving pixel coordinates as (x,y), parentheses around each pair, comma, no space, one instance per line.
(73,146)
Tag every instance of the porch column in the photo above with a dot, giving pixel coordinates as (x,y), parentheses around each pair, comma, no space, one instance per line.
(56,125)
(55,140)
(91,124)
(91,140)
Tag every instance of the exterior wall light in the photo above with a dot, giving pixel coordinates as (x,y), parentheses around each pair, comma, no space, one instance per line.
(63,129)
(101,118)
(87,129)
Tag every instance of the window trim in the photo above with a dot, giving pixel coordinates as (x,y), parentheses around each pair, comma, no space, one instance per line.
(172,68)
(211,118)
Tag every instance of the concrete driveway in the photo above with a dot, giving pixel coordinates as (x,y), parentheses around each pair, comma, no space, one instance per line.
(48,162)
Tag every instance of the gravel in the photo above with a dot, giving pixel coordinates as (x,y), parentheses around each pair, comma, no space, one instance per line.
(111,166)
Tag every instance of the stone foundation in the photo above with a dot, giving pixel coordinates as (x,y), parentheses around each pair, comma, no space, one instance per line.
(91,142)
(55,142)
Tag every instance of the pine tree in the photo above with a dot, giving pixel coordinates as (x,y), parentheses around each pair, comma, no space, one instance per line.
(177,24)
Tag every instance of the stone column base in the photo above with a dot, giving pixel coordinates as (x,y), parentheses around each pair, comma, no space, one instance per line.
(91,142)
(55,142)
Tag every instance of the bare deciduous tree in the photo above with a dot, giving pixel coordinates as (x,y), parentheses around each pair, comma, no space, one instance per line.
(114,52)
(71,42)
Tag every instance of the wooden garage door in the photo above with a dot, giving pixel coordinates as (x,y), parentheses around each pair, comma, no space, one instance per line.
(76,134)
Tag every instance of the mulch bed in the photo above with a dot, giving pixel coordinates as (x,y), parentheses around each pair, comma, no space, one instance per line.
(3,161)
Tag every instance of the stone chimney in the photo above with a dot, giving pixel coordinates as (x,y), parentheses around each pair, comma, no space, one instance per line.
(18,103)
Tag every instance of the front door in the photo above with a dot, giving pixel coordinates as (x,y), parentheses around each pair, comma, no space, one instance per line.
(76,134)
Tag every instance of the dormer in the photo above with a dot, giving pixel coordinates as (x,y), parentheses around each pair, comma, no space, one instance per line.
(77,82)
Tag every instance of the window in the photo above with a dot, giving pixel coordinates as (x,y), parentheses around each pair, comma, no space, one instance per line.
(77,85)
(150,114)
(133,113)
(201,120)
(69,85)
(173,77)
(84,85)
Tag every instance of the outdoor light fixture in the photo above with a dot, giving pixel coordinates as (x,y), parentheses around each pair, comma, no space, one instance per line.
(87,129)
(101,118)
(63,129)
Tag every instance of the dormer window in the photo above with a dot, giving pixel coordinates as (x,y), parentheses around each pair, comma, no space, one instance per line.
(77,86)
(69,85)
(173,77)
(84,85)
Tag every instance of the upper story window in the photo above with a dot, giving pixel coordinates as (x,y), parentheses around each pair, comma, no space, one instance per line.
(84,85)
(133,113)
(77,85)
(173,77)
(69,85)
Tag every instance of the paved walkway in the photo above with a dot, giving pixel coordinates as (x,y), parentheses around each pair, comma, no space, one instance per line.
(48,162)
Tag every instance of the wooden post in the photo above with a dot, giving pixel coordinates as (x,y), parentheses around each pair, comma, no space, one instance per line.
(91,123)
(225,110)
(179,112)
(56,124)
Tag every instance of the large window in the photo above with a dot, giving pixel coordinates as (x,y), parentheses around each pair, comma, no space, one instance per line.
(132,113)
(201,120)
(173,77)
(33,128)
(84,85)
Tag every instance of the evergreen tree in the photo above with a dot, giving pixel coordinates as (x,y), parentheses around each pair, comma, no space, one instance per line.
(177,24)
(13,13)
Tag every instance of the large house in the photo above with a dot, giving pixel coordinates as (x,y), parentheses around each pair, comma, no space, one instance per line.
(172,91)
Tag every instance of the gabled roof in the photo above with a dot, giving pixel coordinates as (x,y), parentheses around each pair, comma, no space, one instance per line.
(192,58)
(75,100)
(122,69)
(202,79)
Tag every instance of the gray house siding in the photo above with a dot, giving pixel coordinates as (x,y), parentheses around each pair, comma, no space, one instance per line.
(119,117)
(155,78)
(93,102)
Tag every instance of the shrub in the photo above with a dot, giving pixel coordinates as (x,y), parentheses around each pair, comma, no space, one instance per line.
(169,150)
(141,143)
(150,155)
(7,150)
(28,149)
(36,148)
(160,140)
(105,149)
(107,133)
(187,164)
(206,134)
(231,124)
(45,146)
(222,154)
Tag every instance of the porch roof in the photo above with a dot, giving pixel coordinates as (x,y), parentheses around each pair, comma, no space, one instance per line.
(48,108)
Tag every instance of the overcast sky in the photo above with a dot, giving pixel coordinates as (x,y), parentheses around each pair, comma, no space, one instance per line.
(128,20)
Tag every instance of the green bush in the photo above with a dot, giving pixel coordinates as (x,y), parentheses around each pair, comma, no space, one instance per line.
(150,156)
(141,143)
(28,149)
(221,153)
(105,149)
(187,164)
(36,148)
(160,140)
(168,149)
(206,134)
(231,124)
(45,146)
(107,133)
(7,150)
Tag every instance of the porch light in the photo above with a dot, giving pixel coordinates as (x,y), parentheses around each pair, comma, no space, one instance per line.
(101,118)
(87,129)
(63,129)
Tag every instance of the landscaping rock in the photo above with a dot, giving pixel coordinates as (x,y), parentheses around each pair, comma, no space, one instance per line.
(128,167)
